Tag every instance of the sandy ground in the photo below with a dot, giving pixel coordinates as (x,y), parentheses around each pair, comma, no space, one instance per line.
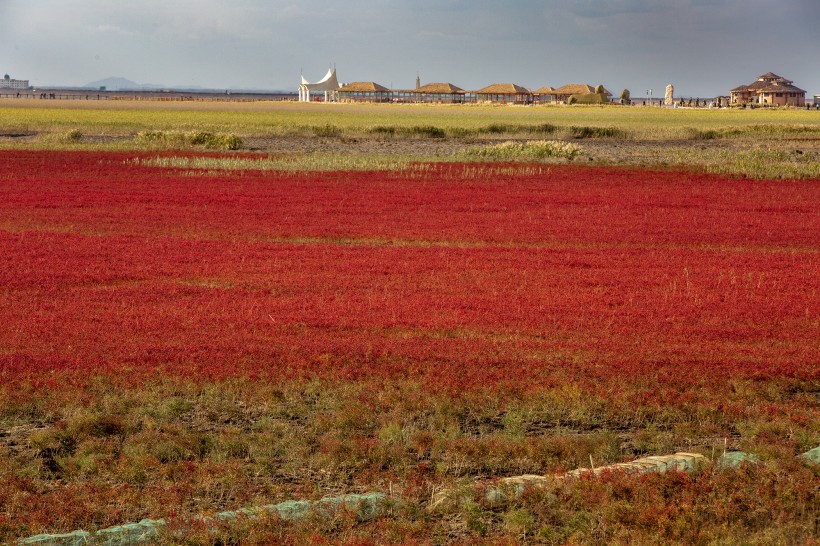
(606,151)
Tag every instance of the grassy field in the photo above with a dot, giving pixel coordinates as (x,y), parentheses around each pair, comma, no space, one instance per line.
(282,118)
(761,143)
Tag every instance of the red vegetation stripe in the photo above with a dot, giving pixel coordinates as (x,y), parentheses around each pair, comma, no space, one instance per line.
(588,273)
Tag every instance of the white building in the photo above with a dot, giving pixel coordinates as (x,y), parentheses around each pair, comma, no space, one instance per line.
(8,83)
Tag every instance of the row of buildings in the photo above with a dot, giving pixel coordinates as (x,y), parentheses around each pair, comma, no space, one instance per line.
(329,89)
(501,93)
(768,90)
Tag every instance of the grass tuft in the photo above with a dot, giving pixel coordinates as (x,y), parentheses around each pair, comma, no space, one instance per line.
(596,132)
(180,139)
(534,150)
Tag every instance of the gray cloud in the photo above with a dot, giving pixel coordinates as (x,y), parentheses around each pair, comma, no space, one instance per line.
(703,47)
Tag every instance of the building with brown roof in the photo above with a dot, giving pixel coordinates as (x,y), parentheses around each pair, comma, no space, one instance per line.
(433,93)
(504,93)
(544,94)
(769,89)
(364,92)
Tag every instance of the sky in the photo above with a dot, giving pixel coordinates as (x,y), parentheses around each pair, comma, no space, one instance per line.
(702,47)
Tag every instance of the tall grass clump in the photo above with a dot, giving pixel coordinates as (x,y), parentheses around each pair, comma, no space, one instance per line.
(705,134)
(534,150)
(180,139)
(327,130)
(72,136)
(426,131)
(387,130)
(429,131)
(596,132)
(297,163)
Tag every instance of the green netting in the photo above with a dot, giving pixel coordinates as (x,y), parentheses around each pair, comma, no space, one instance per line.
(733,459)
(77,538)
(812,455)
(145,531)
(366,506)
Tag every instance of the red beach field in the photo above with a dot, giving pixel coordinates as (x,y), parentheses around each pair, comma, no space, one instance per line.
(659,310)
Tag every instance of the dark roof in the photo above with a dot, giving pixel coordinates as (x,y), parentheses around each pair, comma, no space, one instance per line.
(777,87)
(759,84)
(769,83)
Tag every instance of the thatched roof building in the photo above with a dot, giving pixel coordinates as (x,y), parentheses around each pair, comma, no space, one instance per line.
(364,92)
(504,93)
(544,94)
(363,87)
(432,92)
(439,89)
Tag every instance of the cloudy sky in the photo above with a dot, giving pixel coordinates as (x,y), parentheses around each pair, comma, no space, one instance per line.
(703,47)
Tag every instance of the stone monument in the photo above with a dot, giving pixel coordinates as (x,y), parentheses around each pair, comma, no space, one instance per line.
(670,91)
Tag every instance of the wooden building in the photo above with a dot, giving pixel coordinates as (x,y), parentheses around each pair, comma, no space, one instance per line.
(441,93)
(504,93)
(364,92)
(544,95)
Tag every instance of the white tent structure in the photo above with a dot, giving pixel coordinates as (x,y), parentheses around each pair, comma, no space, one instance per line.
(329,84)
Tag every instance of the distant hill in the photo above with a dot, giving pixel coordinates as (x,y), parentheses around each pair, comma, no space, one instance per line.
(121,84)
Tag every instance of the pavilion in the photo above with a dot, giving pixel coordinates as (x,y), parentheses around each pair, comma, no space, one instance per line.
(329,85)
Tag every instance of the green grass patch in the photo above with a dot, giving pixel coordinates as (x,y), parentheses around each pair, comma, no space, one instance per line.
(525,151)
(756,163)
(597,132)
(180,139)
(276,118)
(286,163)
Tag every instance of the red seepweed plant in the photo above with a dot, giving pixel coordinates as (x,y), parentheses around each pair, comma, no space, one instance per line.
(599,299)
